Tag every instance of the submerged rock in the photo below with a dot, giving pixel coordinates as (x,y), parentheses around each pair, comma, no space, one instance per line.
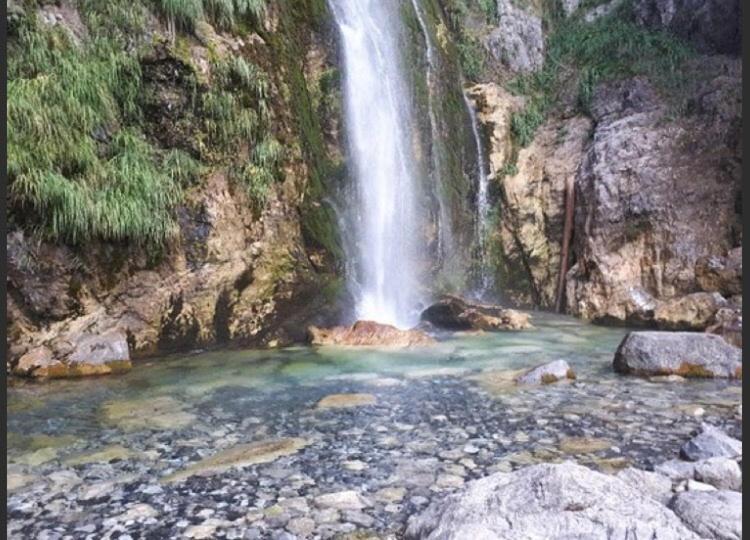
(550,372)
(711,514)
(240,455)
(368,334)
(453,313)
(711,442)
(339,401)
(678,353)
(548,501)
(161,413)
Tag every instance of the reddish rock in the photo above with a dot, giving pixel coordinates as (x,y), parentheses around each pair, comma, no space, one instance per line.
(453,313)
(368,334)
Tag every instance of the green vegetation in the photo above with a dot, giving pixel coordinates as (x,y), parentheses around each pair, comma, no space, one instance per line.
(581,55)
(224,13)
(80,166)
(471,53)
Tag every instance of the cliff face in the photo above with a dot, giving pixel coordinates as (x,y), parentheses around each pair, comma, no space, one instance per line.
(634,118)
(249,259)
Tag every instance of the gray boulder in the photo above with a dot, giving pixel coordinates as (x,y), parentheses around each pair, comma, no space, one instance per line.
(550,372)
(711,514)
(562,501)
(657,486)
(518,41)
(720,472)
(711,442)
(676,470)
(678,353)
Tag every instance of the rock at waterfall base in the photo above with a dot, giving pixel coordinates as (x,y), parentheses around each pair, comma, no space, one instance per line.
(453,313)
(548,373)
(368,334)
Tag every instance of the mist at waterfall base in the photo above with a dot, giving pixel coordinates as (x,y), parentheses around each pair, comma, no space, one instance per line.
(384,216)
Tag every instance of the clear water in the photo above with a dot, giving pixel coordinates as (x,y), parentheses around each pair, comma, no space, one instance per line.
(293,379)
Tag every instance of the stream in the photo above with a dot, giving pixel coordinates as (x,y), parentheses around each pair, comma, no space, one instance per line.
(308,442)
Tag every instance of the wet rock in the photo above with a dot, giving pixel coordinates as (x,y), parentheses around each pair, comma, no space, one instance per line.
(711,25)
(678,353)
(583,445)
(655,485)
(547,501)
(720,472)
(368,334)
(676,470)
(342,500)
(551,372)
(711,514)
(240,455)
(711,442)
(161,412)
(338,401)
(453,313)
(113,452)
(301,526)
(518,40)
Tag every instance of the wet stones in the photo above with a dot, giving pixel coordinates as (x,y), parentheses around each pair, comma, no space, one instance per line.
(162,412)
(688,354)
(368,334)
(342,500)
(547,373)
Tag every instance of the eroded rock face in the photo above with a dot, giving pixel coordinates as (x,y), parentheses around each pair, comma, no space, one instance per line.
(711,25)
(453,313)
(688,354)
(643,217)
(518,40)
(548,501)
(368,334)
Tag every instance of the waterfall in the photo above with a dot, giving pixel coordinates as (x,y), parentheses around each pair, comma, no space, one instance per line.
(483,202)
(378,121)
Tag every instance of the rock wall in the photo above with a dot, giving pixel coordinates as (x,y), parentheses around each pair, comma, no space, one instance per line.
(235,274)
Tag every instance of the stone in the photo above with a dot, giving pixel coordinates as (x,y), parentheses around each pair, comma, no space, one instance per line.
(727,323)
(160,413)
(16,480)
(518,40)
(391,495)
(453,313)
(550,372)
(368,334)
(655,485)
(301,526)
(204,530)
(583,445)
(112,452)
(676,470)
(720,472)
(240,455)
(710,25)
(711,514)
(340,401)
(548,501)
(711,442)
(688,354)
(694,485)
(342,500)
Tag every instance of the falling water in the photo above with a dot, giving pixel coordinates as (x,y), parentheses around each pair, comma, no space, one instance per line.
(483,203)
(378,120)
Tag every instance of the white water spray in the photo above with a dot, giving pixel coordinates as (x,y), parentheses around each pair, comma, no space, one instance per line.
(378,121)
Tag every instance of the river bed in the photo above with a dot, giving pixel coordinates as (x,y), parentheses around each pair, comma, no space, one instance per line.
(321,442)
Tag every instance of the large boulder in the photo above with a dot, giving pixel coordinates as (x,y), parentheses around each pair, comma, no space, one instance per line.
(693,311)
(368,334)
(689,354)
(711,25)
(548,501)
(453,313)
(720,472)
(518,40)
(711,514)
(727,323)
